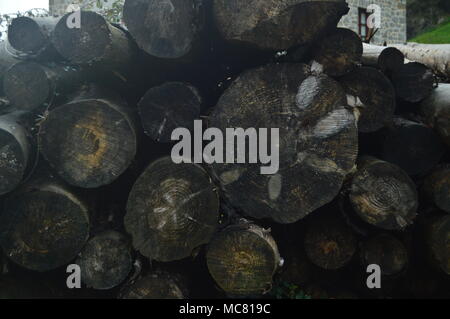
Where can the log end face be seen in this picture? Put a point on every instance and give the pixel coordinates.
(13, 162)
(25, 35)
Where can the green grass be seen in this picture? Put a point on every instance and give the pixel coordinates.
(437, 35)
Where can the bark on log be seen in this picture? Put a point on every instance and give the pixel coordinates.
(437, 187)
(167, 107)
(438, 235)
(383, 195)
(373, 95)
(172, 204)
(387, 252)
(43, 227)
(105, 261)
(339, 52)
(317, 141)
(434, 56)
(90, 142)
(242, 259)
(168, 30)
(436, 111)
(16, 152)
(329, 242)
(96, 42)
(29, 85)
(413, 82)
(31, 38)
(388, 59)
(276, 25)
(412, 146)
(156, 285)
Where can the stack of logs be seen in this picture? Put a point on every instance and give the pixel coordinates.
(86, 177)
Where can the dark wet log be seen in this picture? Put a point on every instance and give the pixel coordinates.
(242, 259)
(387, 59)
(16, 152)
(96, 42)
(329, 242)
(317, 141)
(436, 111)
(412, 146)
(165, 29)
(434, 56)
(29, 85)
(105, 261)
(373, 95)
(89, 142)
(413, 82)
(383, 195)
(43, 226)
(172, 204)
(339, 52)
(168, 107)
(30, 37)
(385, 251)
(437, 187)
(6, 61)
(156, 285)
(276, 25)
(438, 240)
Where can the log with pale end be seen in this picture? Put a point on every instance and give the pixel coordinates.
(44, 226)
(171, 210)
(383, 195)
(243, 259)
(168, 107)
(317, 146)
(105, 260)
(276, 25)
(373, 95)
(89, 142)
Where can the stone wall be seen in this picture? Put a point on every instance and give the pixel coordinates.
(393, 19)
(58, 7)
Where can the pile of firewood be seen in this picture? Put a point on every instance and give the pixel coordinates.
(86, 177)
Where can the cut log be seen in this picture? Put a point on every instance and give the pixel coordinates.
(43, 227)
(329, 242)
(388, 59)
(383, 195)
(172, 204)
(30, 37)
(165, 29)
(242, 259)
(387, 252)
(276, 25)
(29, 85)
(317, 141)
(412, 146)
(96, 42)
(439, 242)
(373, 95)
(105, 261)
(157, 285)
(434, 56)
(436, 111)
(89, 143)
(437, 187)
(339, 52)
(168, 107)
(413, 82)
(6, 61)
(16, 153)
